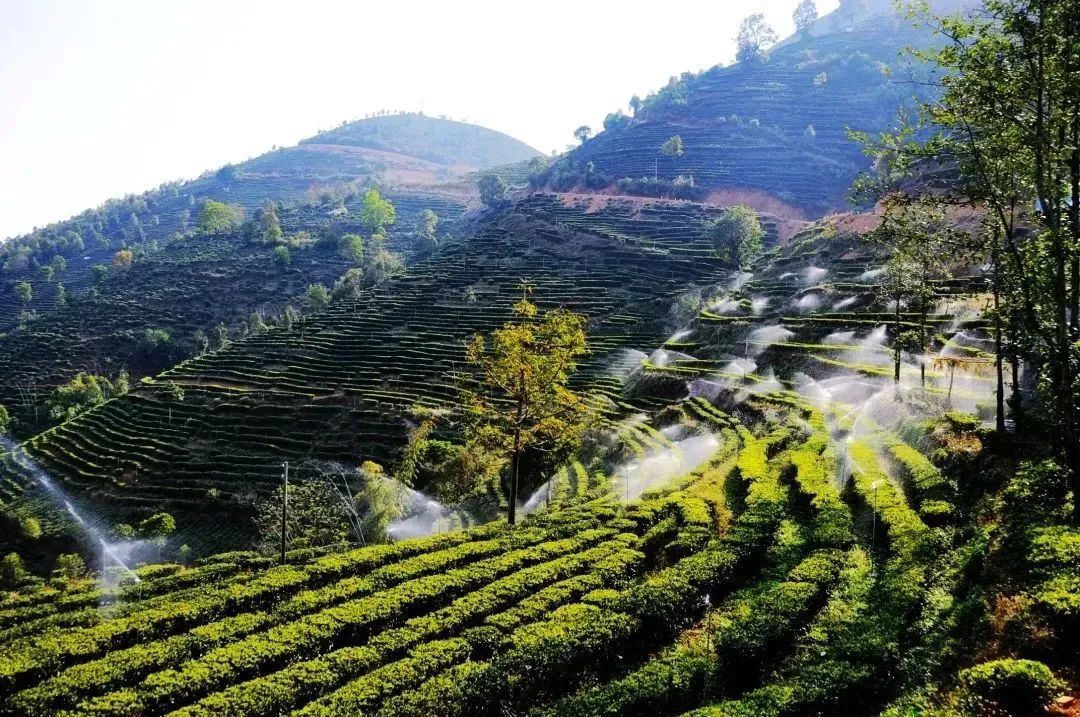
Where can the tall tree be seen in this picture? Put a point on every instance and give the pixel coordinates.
(351, 248)
(379, 262)
(754, 38)
(582, 133)
(1008, 115)
(523, 402)
(319, 512)
(267, 222)
(805, 14)
(922, 246)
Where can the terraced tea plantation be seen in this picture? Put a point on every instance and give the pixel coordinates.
(396, 150)
(779, 126)
(338, 386)
(756, 530)
(769, 564)
(189, 287)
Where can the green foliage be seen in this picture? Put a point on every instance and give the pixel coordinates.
(282, 257)
(216, 217)
(1035, 496)
(12, 572)
(805, 14)
(1019, 688)
(616, 121)
(153, 339)
(5, 420)
(525, 403)
(227, 173)
(1005, 123)
(30, 527)
(737, 235)
(318, 296)
(84, 392)
(351, 247)
(70, 566)
(409, 465)
(100, 273)
(426, 224)
(380, 263)
(581, 134)
(267, 224)
(156, 527)
(376, 213)
(672, 147)
(492, 190)
(318, 514)
(754, 38)
(381, 501)
(24, 291)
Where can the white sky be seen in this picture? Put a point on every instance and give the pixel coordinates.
(99, 98)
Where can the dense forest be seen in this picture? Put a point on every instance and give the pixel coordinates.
(763, 400)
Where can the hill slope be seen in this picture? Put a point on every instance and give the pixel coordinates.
(441, 141)
(187, 289)
(338, 386)
(754, 533)
(777, 127)
(316, 167)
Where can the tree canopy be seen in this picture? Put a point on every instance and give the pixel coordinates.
(351, 248)
(737, 235)
(524, 403)
(215, 217)
(805, 14)
(672, 147)
(492, 190)
(1006, 118)
(376, 213)
(754, 38)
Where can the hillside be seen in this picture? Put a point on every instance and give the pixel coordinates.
(444, 142)
(338, 386)
(317, 167)
(612, 444)
(186, 289)
(777, 128)
(753, 457)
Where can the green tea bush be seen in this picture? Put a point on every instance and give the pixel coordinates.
(1012, 688)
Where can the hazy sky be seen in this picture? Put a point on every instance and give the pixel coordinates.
(99, 98)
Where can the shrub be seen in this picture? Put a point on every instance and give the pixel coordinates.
(1018, 688)
(282, 257)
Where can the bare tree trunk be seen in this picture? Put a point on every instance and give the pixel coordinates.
(999, 397)
(896, 346)
(1016, 398)
(1074, 220)
(511, 513)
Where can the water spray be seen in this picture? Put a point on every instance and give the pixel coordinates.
(95, 535)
